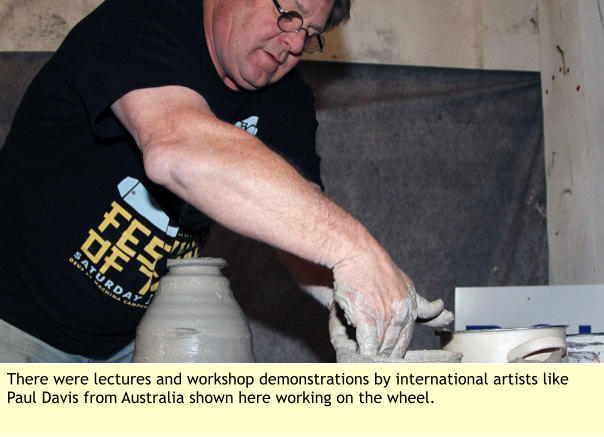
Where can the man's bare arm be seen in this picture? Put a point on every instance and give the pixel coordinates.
(234, 178)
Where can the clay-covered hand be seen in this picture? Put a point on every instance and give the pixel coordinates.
(380, 301)
(432, 314)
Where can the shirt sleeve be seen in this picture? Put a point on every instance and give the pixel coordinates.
(292, 133)
(128, 45)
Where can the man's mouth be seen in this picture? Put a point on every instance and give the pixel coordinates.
(275, 59)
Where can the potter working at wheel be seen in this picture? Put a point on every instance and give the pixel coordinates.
(154, 120)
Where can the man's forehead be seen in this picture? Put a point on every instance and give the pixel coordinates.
(304, 6)
(301, 8)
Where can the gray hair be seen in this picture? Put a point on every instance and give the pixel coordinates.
(339, 14)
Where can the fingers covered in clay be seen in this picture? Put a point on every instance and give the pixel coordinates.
(378, 300)
(357, 311)
(443, 319)
(433, 314)
(401, 318)
(428, 310)
(367, 338)
(338, 332)
(403, 341)
(391, 337)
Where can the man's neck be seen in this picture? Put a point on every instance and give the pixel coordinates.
(208, 17)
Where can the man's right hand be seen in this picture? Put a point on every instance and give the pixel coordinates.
(379, 299)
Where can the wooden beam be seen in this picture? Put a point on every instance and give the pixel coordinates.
(572, 61)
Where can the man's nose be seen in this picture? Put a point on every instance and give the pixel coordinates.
(295, 41)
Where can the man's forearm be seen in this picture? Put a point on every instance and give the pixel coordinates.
(239, 182)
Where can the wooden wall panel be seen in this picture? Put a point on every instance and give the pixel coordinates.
(572, 44)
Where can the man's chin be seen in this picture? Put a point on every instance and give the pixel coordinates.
(255, 83)
(259, 78)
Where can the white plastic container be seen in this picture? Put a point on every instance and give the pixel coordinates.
(537, 344)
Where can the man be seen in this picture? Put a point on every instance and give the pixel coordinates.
(150, 111)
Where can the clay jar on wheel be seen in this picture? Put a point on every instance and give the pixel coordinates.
(193, 318)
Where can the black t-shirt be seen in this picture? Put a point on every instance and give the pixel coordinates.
(84, 233)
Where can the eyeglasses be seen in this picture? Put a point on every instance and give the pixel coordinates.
(291, 22)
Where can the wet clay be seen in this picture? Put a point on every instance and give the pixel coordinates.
(414, 356)
(193, 318)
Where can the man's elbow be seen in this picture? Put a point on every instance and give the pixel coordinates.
(168, 152)
(157, 163)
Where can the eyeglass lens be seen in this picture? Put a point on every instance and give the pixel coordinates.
(314, 43)
(291, 21)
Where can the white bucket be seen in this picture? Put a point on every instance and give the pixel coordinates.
(536, 344)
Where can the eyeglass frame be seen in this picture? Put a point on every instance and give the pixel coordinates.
(319, 36)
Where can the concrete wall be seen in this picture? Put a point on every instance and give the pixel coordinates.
(39, 25)
(491, 34)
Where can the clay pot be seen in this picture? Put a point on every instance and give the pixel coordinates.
(193, 318)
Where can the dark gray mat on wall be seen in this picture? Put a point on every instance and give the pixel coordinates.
(444, 166)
